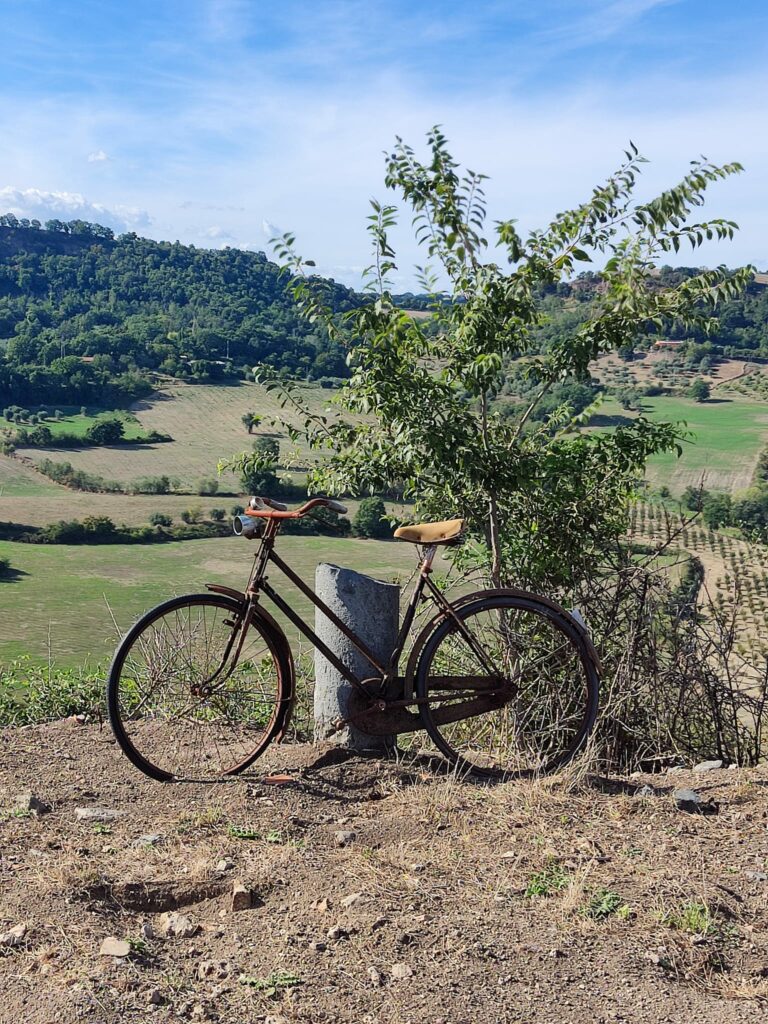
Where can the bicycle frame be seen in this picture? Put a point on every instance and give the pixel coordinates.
(386, 705)
(258, 583)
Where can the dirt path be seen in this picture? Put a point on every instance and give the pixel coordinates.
(381, 894)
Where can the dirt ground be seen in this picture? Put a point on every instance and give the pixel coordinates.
(380, 892)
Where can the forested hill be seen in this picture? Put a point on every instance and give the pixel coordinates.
(89, 318)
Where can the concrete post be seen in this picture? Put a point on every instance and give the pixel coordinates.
(371, 609)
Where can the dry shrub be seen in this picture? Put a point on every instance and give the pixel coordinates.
(674, 683)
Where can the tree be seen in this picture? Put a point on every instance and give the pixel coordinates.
(544, 501)
(267, 448)
(250, 420)
(717, 510)
(259, 475)
(218, 514)
(699, 390)
(370, 519)
(105, 431)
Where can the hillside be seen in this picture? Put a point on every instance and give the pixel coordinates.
(87, 318)
(378, 892)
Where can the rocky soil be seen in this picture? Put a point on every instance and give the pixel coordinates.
(322, 889)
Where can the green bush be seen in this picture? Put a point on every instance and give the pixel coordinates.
(161, 519)
(152, 485)
(32, 693)
(370, 519)
(108, 430)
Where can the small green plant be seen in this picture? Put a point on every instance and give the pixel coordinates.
(102, 830)
(273, 836)
(551, 879)
(602, 904)
(273, 984)
(209, 818)
(243, 832)
(16, 812)
(694, 918)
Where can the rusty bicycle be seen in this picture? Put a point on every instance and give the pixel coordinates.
(504, 682)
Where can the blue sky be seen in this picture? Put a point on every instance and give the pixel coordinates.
(219, 121)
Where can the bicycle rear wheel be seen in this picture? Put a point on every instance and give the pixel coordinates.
(182, 703)
(511, 689)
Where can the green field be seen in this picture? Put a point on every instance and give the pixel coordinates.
(61, 599)
(726, 439)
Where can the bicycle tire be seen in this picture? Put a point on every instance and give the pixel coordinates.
(168, 731)
(543, 691)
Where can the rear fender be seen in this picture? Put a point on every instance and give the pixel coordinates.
(282, 649)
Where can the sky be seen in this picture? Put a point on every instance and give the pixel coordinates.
(225, 122)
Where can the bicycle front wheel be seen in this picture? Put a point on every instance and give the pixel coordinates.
(189, 697)
(509, 687)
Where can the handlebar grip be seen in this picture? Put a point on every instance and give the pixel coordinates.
(257, 503)
(336, 506)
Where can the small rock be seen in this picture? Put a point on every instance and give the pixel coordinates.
(322, 906)
(101, 814)
(344, 837)
(707, 766)
(241, 898)
(147, 931)
(337, 932)
(155, 997)
(645, 791)
(27, 801)
(114, 947)
(417, 869)
(318, 947)
(225, 864)
(350, 900)
(690, 801)
(556, 953)
(375, 977)
(13, 937)
(176, 926)
(508, 855)
(150, 839)
(401, 971)
(213, 969)
(757, 876)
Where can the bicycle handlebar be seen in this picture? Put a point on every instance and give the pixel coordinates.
(266, 508)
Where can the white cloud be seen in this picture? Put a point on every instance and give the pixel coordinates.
(270, 230)
(218, 234)
(99, 157)
(37, 203)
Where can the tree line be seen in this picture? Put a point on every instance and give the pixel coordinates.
(87, 317)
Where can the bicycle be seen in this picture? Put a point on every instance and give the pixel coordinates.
(504, 682)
